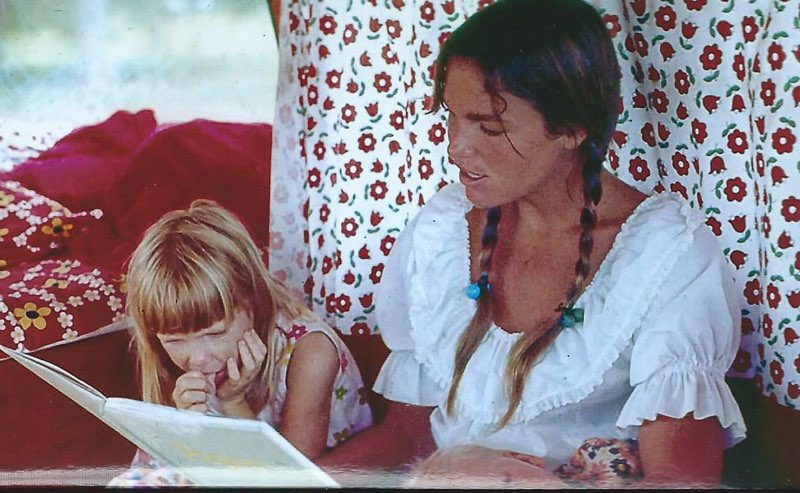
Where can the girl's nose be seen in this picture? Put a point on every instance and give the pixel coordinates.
(199, 358)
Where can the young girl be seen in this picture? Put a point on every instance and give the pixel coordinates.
(214, 332)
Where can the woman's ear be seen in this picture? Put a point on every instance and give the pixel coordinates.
(573, 139)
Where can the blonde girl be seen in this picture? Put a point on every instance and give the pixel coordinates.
(214, 332)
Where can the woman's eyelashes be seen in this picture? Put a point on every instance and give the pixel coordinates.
(489, 131)
(452, 118)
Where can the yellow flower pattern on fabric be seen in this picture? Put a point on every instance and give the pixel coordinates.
(122, 286)
(286, 355)
(57, 228)
(65, 266)
(61, 283)
(5, 199)
(3, 232)
(30, 314)
(3, 272)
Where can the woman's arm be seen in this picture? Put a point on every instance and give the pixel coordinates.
(309, 383)
(681, 452)
(403, 436)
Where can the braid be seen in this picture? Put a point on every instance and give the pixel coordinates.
(527, 350)
(488, 242)
(592, 191)
(482, 320)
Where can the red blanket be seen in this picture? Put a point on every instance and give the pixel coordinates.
(135, 171)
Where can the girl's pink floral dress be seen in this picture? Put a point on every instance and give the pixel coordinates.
(349, 410)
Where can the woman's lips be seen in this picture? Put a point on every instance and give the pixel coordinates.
(467, 177)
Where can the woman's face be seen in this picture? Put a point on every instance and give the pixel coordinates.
(492, 172)
(208, 349)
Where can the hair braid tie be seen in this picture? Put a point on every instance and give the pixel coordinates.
(488, 240)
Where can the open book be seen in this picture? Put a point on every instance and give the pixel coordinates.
(208, 450)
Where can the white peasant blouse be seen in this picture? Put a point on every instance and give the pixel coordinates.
(661, 328)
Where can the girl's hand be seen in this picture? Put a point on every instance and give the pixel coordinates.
(192, 391)
(471, 466)
(252, 353)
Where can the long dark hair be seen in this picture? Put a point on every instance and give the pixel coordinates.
(558, 56)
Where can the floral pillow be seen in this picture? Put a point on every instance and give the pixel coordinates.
(54, 300)
(32, 226)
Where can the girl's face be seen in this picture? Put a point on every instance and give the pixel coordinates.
(481, 144)
(207, 350)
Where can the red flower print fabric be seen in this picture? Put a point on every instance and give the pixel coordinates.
(355, 152)
(709, 110)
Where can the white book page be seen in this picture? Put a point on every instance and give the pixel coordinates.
(214, 450)
(208, 450)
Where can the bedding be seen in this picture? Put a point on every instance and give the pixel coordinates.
(78, 169)
(73, 213)
(45, 297)
(44, 430)
(69, 217)
(33, 226)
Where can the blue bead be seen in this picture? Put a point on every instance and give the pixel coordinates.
(473, 291)
(567, 320)
(578, 314)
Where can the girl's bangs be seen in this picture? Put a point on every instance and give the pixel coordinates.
(184, 303)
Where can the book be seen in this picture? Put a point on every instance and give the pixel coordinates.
(208, 450)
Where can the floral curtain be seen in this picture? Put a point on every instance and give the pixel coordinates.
(355, 153)
(708, 110)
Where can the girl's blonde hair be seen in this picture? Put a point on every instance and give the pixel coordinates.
(193, 268)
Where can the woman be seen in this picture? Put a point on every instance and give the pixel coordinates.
(500, 340)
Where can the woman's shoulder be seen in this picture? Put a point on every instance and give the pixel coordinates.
(434, 246)
(439, 232)
(420, 298)
(447, 207)
(662, 229)
(661, 224)
(665, 211)
(663, 252)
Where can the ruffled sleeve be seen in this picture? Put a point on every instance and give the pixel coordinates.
(687, 342)
(403, 377)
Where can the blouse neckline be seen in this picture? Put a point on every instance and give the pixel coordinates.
(607, 260)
